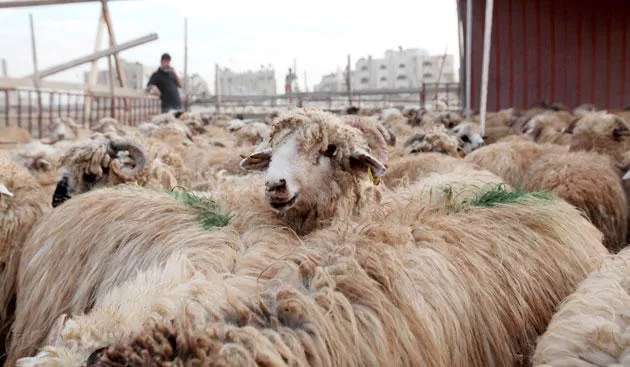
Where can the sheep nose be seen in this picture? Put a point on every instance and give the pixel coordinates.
(279, 187)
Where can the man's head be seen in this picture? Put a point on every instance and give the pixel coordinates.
(165, 61)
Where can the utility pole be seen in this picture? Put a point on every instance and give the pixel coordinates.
(217, 88)
(186, 87)
(4, 68)
(348, 80)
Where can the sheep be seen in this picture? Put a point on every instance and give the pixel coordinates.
(590, 327)
(157, 222)
(41, 160)
(22, 203)
(434, 141)
(588, 181)
(57, 131)
(584, 109)
(511, 159)
(108, 125)
(469, 136)
(601, 132)
(103, 161)
(313, 150)
(390, 291)
(548, 127)
(14, 135)
(252, 133)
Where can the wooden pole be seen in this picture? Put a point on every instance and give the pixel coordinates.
(348, 82)
(92, 79)
(5, 73)
(36, 80)
(25, 3)
(486, 65)
(111, 86)
(439, 78)
(97, 55)
(186, 81)
(305, 84)
(112, 42)
(217, 88)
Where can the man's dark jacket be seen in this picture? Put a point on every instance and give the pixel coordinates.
(165, 81)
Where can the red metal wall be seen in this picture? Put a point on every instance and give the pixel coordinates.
(565, 51)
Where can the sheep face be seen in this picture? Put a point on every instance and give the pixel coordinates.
(313, 162)
(96, 164)
(469, 137)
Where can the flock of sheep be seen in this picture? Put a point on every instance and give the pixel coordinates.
(371, 237)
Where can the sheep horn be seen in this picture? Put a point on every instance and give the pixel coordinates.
(136, 152)
(5, 191)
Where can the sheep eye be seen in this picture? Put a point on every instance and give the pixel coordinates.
(330, 150)
(620, 131)
(465, 139)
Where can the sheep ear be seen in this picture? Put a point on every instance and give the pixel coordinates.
(361, 160)
(257, 161)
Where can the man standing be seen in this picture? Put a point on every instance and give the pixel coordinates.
(165, 83)
(288, 84)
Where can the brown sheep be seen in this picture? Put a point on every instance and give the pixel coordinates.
(22, 203)
(511, 159)
(100, 162)
(588, 181)
(601, 132)
(591, 325)
(378, 293)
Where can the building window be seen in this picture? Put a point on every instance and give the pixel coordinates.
(401, 77)
(364, 68)
(427, 75)
(402, 66)
(364, 80)
(383, 67)
(427, 63)
(383, 79)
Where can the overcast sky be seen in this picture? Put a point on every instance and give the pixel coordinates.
(238, 34)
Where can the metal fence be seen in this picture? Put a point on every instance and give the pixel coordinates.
(21, 108)
(428, 96)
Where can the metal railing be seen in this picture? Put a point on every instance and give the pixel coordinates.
(426, 96)
(21, 108)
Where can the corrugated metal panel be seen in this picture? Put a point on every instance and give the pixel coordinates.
(566, 51)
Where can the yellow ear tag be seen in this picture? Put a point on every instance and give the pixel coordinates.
(375, 180)
(461, 154)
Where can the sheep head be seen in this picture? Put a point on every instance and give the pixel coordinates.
(315, 164)
(99, 163)
(469, 136)
(600, 132)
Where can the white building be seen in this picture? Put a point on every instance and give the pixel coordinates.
(335, 82)
(431, 69)
(253, 83)
(402, 69)
(135, 75)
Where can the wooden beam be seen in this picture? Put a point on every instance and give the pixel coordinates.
(112, 42)
(25, 3)
(97, 55)
(45, 85)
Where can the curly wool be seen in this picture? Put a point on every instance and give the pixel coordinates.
(591, 325)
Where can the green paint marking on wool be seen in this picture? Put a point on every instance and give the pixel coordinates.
(209, 214)
(499, 195)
